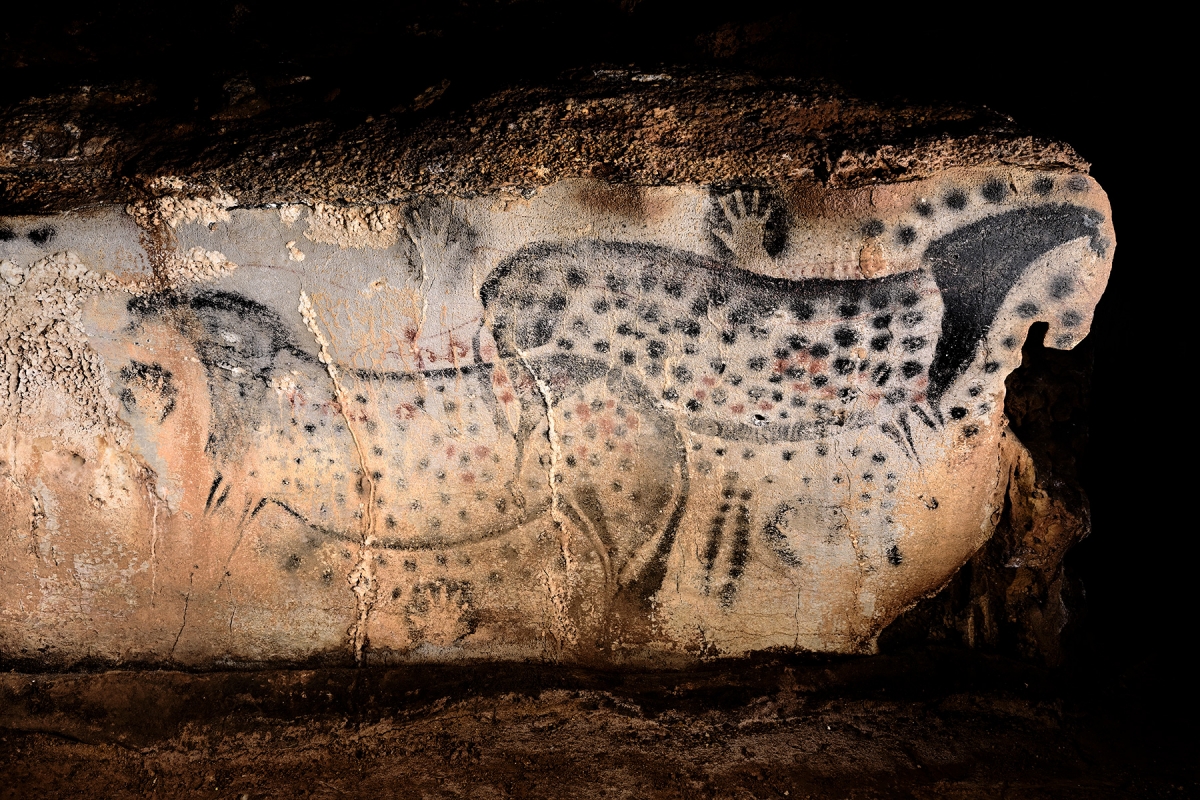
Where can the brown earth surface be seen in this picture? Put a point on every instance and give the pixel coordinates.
(937, 723)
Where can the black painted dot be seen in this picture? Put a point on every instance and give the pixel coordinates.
(882, 321)
(845, 337)
(819, 350)
(693, 405)
(894, 557)
(881, 342)
(682, 373)
(600, 306)
(955, 199)
(911, 318)
(924, 208)
(673, 288)
(802, 310)
(843, 366)
(911, 369)
(7, 234)
(788, 455)
(797, 342)
(881, 373)
(728, 337)
(1027, 309)
(879, 458)
(576, 278)
(543, 329)
(991, 366)
(1061, 286)
(907, 235)
(656, 349)
(1043, 186)
(798, 401)
(40, 236)
(909, 299)
(822, 450)
(958, 412)
(820, 380)
(1063, 340)
(873, 227)
(690, 327)
(310, 428)
(615, 283)
(1009, 342)
(565, 344)
(1071, 318)
(741, 315)
(556, 302)
(627, 357)
(601, 347)
(995, 190)
(970, 430)
(1077, 183)
(670, 394)
(914, 343)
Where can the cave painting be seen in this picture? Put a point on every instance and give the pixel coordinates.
(701, 422)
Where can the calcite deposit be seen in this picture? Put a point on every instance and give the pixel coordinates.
(640, 418)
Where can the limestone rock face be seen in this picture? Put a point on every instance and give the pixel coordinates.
(578, 420)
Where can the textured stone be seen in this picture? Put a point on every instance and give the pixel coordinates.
(729, 406)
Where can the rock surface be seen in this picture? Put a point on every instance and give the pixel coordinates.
(934, 725)
(582, 374)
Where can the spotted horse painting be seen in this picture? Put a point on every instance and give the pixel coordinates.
(594, 422)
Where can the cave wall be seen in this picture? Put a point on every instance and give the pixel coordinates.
(581, 414)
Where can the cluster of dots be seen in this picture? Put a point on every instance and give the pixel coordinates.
(737, 348)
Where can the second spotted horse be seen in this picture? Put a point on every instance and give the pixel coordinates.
(683, 393)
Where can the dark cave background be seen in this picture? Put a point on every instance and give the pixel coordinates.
(1076, 76)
